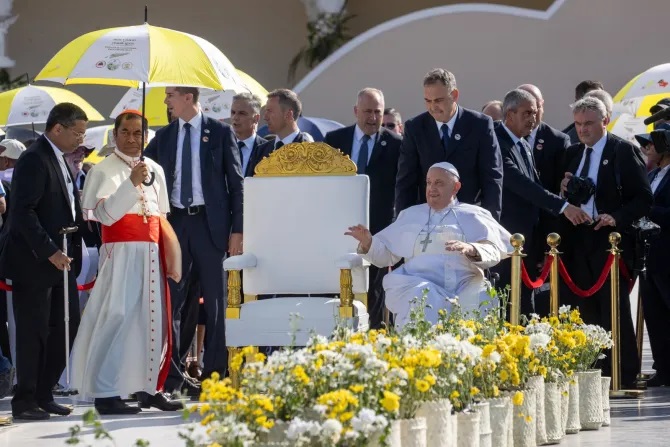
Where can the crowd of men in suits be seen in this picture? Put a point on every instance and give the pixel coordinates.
(511, 163)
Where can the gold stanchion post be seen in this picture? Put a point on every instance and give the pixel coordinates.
(517, 241)
(553, 239)
(617, 392)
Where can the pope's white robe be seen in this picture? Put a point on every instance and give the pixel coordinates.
(446, 274)
(123, 330)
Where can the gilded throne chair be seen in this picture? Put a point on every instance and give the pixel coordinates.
(297, 207)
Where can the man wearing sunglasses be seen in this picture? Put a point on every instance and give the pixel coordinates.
(392, 120)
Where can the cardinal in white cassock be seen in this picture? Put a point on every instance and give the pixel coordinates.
(124, 342)
(446, 246)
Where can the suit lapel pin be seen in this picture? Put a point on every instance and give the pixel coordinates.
(383, 143)
(540, 140)
(205, 139)
(206, 131)
(539, 147)
(605, 162)
(457, 137)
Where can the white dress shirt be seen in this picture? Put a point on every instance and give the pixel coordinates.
(450, 124)
(659, 177)
(66, 175)
(196, 130)
(246, 150)
(288, 139)
(596, 156)
(356, 148)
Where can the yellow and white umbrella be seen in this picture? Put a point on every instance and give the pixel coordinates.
(653, 81)
(101, 136)
(214, 103)
(31, 105)
(130, 56)
(633, 101)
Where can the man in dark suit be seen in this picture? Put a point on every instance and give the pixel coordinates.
(282, 110)
(448, 132)
(582, 89)
(622, 196)
(245, 113)
(523, 193)
(204, 180)
(375, 151)
(549, 148)
(655, 285)
(44, 201)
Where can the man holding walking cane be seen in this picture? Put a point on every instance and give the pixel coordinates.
(44, 202)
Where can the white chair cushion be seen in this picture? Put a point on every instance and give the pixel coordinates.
(295, 226)
(270, 322)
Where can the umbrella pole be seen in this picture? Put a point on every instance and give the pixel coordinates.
(34, 133)
(152, 175)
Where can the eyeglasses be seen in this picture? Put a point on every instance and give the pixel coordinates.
(388, 125)
(79, 135)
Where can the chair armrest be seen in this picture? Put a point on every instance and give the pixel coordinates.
(351, 260)
(240, 262)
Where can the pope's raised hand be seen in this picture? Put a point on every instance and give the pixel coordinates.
(362, 235)
(139, 173)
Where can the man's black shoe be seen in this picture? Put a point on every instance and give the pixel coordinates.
(158, 400)
(54, 408)
(114, 405)
(34, 414)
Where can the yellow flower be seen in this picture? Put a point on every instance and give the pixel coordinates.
(474, 391)
(496, 391)
(454, 395)
(504, 375)
(357, 388)
(390, 402)
(214, 444)
(344, 417)
(529, 419)
(518, 398)
(422, 385)
(300, 374)
(430, 379)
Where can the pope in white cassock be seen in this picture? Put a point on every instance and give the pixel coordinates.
(123, 344)
(446, 246)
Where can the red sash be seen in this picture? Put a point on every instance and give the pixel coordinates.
(132, 228)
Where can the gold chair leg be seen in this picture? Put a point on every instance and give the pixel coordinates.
(234, 374)
(346, 294)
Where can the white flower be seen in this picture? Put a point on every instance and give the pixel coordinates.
(539, 340)
(495, 357)
(299, 430)
(565, 309)
(331, 429)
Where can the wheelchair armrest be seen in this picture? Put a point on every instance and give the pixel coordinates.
(240, 262)
(352, 260)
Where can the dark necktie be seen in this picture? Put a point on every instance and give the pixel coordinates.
(523, 148)
(186, 171)
(445, 136)
(279, 144)
(362, 161)
(240, 145)
(587, 163)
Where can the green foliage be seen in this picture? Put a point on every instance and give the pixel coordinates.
(7, 83)
(324, 35)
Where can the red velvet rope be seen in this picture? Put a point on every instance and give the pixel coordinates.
(540, 279)
(88, 286)
(597, 286)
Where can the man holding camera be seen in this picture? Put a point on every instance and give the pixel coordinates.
(655, 283)
(606, 176)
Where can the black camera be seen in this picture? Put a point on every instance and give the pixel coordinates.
(579, 190)
(646, 230)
